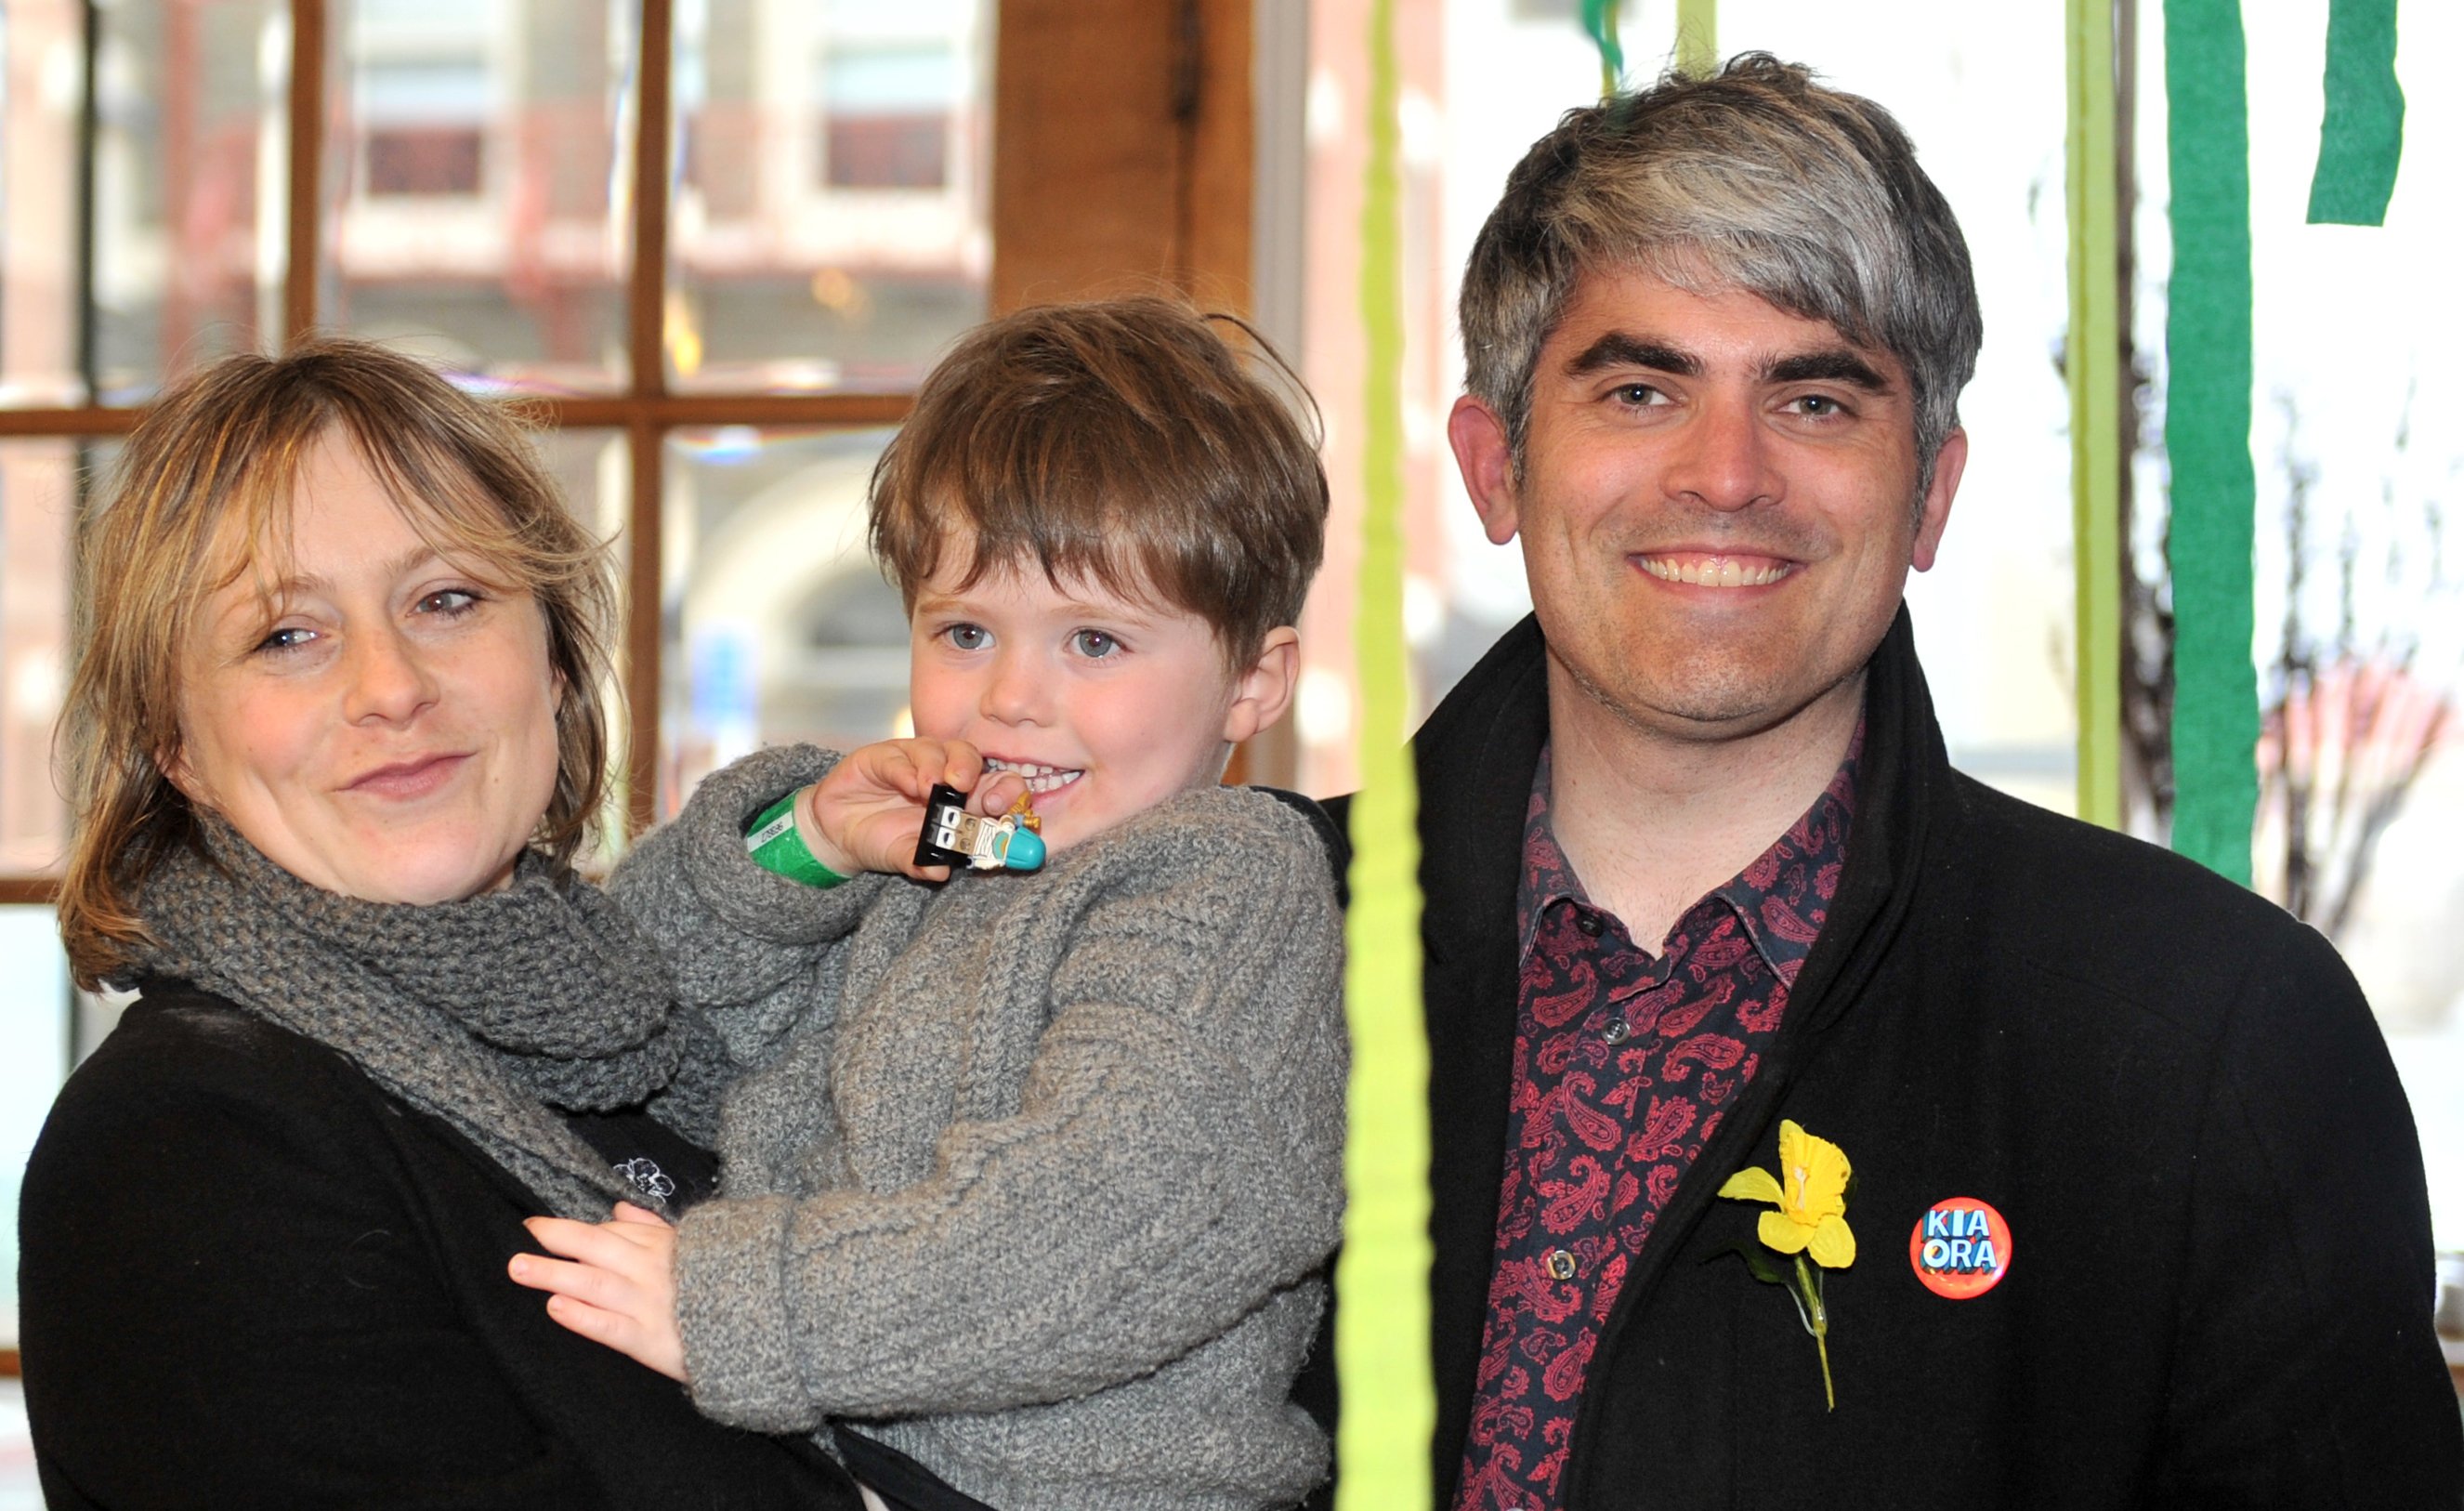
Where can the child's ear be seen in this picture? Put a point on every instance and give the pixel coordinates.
(1263, 690)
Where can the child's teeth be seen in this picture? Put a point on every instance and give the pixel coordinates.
(1039, 778)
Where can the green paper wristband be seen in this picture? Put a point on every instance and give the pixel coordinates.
(775, 846)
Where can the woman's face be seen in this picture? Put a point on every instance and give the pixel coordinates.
(385, 726)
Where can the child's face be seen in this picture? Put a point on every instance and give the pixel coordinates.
(1106, 705)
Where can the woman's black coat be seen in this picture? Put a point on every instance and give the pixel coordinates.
(252, 1277)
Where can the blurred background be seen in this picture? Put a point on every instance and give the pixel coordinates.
(714, 245)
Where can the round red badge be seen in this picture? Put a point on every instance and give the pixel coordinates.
(1961, 1247)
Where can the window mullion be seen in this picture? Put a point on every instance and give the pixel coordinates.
(307, 149)
(654, 136)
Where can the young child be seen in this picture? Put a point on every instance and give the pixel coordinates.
(1024, 1174)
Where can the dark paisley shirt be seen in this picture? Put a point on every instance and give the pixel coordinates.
(1623, 1065)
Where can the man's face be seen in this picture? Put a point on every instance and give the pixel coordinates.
(1719, 503)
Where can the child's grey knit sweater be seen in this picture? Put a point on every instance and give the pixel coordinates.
(1024, 1173)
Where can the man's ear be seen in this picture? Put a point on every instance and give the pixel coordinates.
(1478, 437)
(1934, 514)
(1263, 690)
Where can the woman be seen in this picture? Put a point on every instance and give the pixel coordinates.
(334, 739)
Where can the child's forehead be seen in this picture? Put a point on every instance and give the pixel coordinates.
(1030, 588)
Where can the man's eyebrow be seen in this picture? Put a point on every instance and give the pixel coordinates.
(1834, 365)
(1619, 349)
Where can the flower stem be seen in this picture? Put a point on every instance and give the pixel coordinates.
(1817, 1322)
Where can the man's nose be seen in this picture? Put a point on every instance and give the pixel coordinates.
(387, 677)
(1723, 457)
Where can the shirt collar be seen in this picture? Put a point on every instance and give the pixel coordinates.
(1778, 898)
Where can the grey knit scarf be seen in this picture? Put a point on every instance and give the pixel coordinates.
(479, 1011)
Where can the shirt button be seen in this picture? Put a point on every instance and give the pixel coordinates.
(1617, 1031)
(1560, 1264)
(1589, 923)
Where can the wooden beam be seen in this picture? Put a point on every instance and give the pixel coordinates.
(307, 147)
(723, 409)
(646, 341)
(1122, 133)
(83, 421)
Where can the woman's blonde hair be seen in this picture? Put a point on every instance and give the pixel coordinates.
(201, 495)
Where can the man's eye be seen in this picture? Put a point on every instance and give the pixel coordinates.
(967, 636)
(1637, 393)
(1092, 644)
(1815, 405)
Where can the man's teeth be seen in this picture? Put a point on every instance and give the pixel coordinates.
(1717, 572)
(1039, 778)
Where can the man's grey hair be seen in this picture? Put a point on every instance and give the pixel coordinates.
(1755, 178)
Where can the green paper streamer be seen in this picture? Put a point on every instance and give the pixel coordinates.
(2206, 436)
(2093, 362)
(1381, 1340)
(1698, 37)
(1600, 20)
(2362, 139)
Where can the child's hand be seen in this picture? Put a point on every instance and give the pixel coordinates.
(867, 813)
(620, 1286)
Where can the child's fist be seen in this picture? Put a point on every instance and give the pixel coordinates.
(866, 813)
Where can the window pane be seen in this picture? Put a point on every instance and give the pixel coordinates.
(593, 471)
(477, 184)
(778, 628)
(830, 227)
(183, 148)
(1993, 621)
(33, 1056)
(38, 500)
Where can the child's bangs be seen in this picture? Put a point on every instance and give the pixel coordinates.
(1067, 511)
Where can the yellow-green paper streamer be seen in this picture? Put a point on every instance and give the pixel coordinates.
(1698, 37)
(1381, 1342)
(2093, 357)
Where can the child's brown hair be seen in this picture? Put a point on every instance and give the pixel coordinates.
(1121, 441)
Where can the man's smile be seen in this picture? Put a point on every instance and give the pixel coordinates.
(1708, 570)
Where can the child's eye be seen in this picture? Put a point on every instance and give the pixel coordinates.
(967, 636)
(1092, 644)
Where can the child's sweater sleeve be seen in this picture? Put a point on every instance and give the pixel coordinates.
(1174, 1159)
(749, 949)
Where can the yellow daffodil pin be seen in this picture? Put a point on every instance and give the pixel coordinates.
(1810, 1221)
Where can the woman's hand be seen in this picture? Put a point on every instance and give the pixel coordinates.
(867, 813)
(615, 1285)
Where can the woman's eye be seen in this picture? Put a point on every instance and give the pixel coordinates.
(289, 637)
(1092, 644)
(967, 636)
(450, 602)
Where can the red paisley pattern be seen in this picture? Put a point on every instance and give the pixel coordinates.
(1623, 1065)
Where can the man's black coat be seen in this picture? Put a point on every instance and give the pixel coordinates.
(2221, 1280)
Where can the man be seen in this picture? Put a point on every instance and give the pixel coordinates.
(2137, 1215)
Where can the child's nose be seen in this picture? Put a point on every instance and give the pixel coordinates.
(1014, 692)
